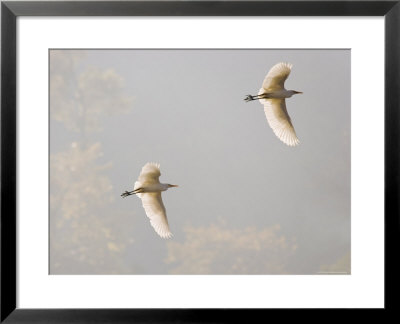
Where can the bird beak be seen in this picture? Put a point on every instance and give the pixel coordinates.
(173, 185)
(299, 92)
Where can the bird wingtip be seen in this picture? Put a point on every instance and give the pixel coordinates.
(166, 235)
(284, 65)
(156, 164)
(288, 64)
(293, 143)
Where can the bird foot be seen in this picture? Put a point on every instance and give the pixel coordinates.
(126, 194)
(249, 98)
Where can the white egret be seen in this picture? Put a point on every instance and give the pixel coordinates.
(272, 95)
(148, 188)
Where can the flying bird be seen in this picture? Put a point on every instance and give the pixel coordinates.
(272, 95)
(148, 188)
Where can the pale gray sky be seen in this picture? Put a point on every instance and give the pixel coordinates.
(246, 202)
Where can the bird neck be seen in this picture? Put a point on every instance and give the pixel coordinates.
(164, 186)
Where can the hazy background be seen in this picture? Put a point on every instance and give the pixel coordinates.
(246, 202)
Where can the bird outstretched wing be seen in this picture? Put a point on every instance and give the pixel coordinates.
(279, 120)
(277, 76)
(155, 211)
(150, 174)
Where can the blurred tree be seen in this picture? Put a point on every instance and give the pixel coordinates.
(80, 100)
(342, 265)
(216, 249)
(84, 236)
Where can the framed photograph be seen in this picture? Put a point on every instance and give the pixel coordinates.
(187, 161)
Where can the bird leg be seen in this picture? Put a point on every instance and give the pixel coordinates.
(128, 193)
(250, 98)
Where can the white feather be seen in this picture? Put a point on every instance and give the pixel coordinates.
(274, 92)
(279, 120)
(155, 211)
(277, 76)
(150, 195)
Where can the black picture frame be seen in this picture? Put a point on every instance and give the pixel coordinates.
(11, 10)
